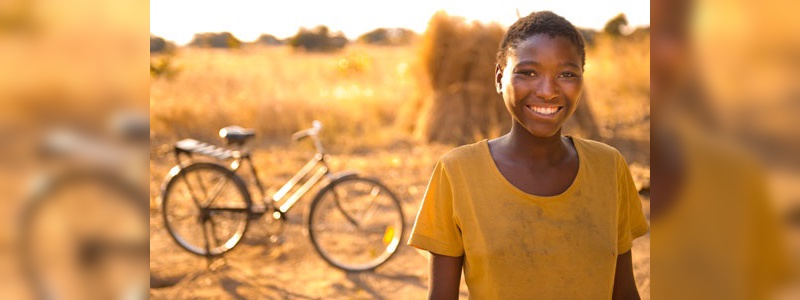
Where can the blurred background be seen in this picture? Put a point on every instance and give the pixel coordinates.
(395, 85)
(73, 149)
(725, 149)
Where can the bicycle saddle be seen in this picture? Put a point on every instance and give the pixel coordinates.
(236, 135)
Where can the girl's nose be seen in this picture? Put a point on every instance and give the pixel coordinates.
(546, 90)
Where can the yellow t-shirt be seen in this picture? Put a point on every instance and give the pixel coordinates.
(521, 246)
(720, 237)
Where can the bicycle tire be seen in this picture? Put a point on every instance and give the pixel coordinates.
(64, 231)
(237, 204)
(377, 244)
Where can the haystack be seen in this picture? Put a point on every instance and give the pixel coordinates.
(458, 103)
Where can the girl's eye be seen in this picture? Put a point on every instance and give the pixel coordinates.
(568, 75)
(527, 73)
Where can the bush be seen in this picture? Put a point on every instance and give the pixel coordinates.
(215, 40)
(388, 37)
(318, 39)
(160, 45)
(268, 40)
(615, 25)
(162, 67)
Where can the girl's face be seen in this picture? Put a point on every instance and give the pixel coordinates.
(541, 83)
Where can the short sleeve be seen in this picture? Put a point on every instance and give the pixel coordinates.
(435, 229)
(773, 265)
(630, 217)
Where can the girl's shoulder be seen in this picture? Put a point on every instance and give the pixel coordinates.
(595, 149)
(469, 153)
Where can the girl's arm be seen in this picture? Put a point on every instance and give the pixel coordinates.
(624, 284)
(445, 277)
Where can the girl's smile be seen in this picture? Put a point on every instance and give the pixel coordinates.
(546, 112)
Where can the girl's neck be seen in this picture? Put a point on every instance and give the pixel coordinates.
(522, 145)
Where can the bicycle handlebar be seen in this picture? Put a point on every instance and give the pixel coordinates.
(312, 132)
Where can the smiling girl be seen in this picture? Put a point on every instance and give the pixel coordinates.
(533, 214)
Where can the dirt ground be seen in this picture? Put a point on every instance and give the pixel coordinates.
(290, 268)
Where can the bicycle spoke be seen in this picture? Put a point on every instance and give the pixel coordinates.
(180, 218)
(205, 237)
(218, 187)
(200, 183)
(367, 214)
(191, 194)
(228, 209)
(213, 224)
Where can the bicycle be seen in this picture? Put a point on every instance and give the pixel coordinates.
(355, 223)
(84, 227)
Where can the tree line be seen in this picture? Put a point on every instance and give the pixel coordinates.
(322, 39)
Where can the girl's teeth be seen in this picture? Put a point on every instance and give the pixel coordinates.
(544, 110)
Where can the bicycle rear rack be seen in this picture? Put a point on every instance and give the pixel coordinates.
(192, 146)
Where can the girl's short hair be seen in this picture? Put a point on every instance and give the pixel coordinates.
(542, 22)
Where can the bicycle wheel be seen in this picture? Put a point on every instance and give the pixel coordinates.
(206, 208)
(86, 236)
(355, 223)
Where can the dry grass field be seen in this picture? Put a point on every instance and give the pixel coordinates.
(358, 95)
(277, 91)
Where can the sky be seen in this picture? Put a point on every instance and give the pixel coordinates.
(179, 20)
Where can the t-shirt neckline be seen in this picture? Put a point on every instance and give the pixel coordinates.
(487, 154)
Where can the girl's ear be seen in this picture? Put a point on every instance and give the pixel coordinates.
(498, 78)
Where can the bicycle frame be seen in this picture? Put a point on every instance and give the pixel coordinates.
(317, 167)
